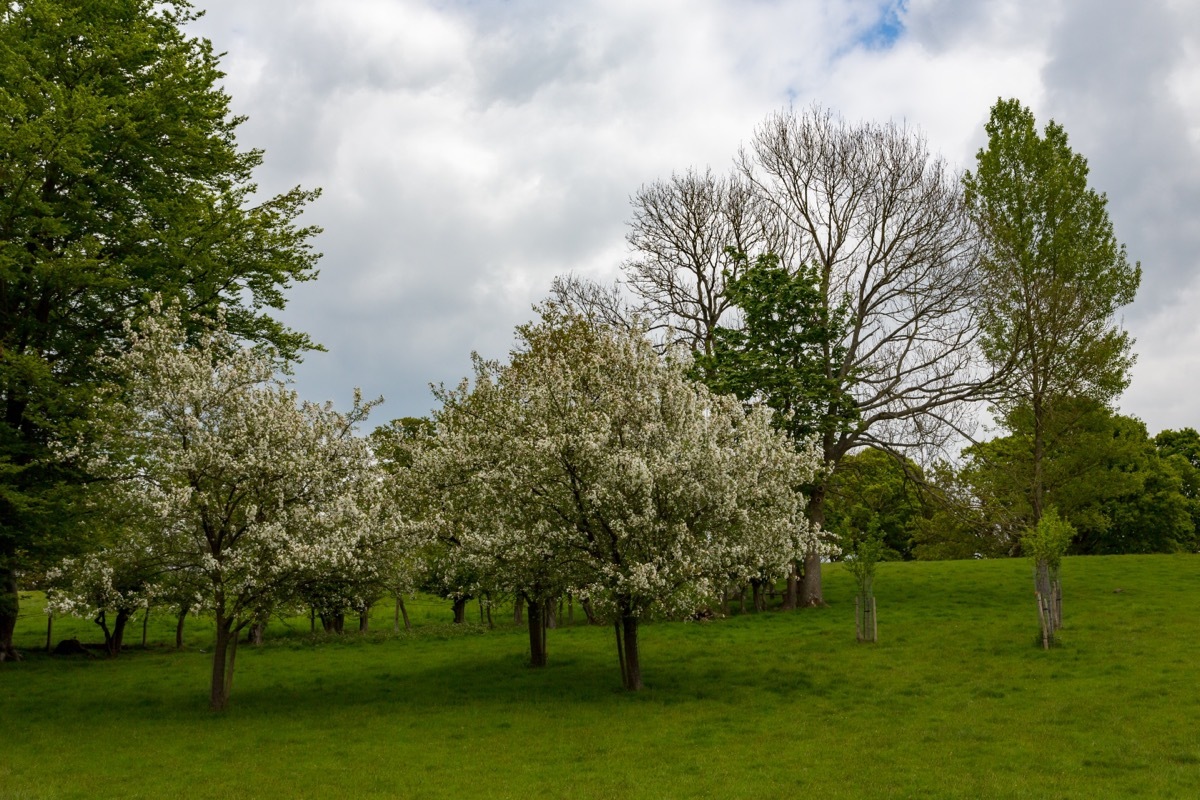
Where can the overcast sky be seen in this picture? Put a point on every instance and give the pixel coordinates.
(470, 151)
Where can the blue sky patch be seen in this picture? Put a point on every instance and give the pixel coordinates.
(889, 27)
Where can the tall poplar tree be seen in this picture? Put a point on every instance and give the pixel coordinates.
(120, 178)
(1054, 276)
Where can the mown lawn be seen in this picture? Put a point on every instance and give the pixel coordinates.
(954, 701)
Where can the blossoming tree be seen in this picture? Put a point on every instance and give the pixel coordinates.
(250, 487)
(602, 468)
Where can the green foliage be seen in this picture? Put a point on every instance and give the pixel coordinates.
(873, 491)
(861, 560)
(1048, 542)
(786, 352)
(120, 178)
(1104, 473)
(1053, 276)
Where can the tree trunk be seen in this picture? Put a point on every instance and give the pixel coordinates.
(633, 668)
(537, 635)
(255, 637)
(518, 610)
(811, 593)
(404, 613)
(10, 605)
(792, 598)
(551, 614)
(364, 620)
(145, 625)
(1039, 453)
(589, 612)
(183, 612)
(113, 639)
(222, 673)
(460, 610)
(49, 631)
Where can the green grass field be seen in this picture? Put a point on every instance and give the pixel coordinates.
(956, 700)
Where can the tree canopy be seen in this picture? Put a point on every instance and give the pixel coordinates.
(120, 179)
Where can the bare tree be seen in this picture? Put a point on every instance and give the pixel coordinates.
(604, 304)
(683, 231)
(884, 225)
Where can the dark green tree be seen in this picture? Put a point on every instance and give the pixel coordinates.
(781, 356)
(120, 178)
(1100, 470)
(1053, 275)
(873, 493)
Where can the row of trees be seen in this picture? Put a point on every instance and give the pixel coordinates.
(842, 273)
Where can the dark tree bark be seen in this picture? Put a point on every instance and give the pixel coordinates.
(145, 625)
(364, 620)
(403, 612)
(537, 635)
(632, 671)
(224, 651)
(114, 638)
(334, 623)
(183, 612)
(589, 612)
(10, 605)
(49, 631)
(811, 592)
(519, 610)
(550, 615)
(460, 610)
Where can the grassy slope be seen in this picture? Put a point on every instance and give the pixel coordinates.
(955, 701)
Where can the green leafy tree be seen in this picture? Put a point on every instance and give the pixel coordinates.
(779, 356)
(1053, 275)
(1100, 470)
(873, 491)
(120, 178)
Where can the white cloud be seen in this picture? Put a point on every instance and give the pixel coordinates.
(470, 151)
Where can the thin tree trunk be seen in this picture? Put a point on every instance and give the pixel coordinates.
(404, 613)
(620, 650)
(633, 667)
(792, 598)
(49, 631)
(488, 607)
(537, 636)
(518, 610)
(10, 606)
(145, 625)
(183, 612)
(312, 619)
(589, 612)
(460, 610)
(222, 663)
(233, 645)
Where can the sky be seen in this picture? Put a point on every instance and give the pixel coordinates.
(471, 150)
